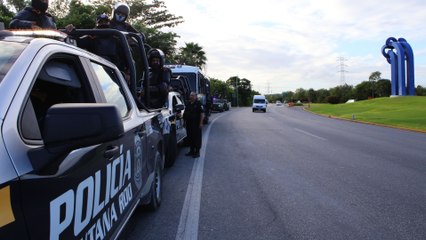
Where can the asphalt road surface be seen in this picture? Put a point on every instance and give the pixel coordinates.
(290, 174)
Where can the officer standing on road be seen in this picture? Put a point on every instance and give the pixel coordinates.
(194, 116)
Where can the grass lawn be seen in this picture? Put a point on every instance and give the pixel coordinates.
(406, 112)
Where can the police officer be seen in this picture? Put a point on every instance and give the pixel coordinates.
(120, 15)
(108, 46)
(34, 17)
(194, 116)
(159, 78)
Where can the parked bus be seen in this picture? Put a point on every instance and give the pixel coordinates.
(198, 83)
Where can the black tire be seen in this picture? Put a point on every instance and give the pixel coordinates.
(171, 148)
(156, 193)
(206, 120)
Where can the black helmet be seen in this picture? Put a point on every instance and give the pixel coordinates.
(123, 9)
(103, 16)
(156, 53)
(40, 5)
(102, 20)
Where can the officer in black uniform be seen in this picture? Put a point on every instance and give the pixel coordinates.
(159, 78)
(34, 17)
(120, 15)
(108, 47)
(194, 116)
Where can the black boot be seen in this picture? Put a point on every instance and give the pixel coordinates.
(196, 154)
(190, 153)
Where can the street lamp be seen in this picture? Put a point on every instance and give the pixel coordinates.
(236, 87)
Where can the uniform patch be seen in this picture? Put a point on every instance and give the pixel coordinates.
(6, 213)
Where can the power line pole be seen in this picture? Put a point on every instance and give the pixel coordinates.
(268, 88)
(236, 88)
(342, 70)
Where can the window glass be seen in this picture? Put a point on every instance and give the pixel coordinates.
(174, 101)
(179, 100)
(61, 80)
(111, 88)
(202, 83)
(192, 78)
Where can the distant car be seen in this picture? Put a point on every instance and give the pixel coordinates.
(278, 103)
(225, 105)
(259, 103)
(219, 105)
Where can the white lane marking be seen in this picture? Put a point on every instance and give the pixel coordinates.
(190, 215)
(310, 134)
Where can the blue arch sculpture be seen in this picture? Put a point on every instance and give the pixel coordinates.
(400, 55)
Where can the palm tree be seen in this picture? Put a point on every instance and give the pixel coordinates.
(192, 54)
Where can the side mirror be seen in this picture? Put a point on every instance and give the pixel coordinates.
(74, 125)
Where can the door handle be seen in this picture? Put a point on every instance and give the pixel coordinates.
(111, 152)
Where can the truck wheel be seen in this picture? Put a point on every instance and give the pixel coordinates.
(171, 147)
(156, 187)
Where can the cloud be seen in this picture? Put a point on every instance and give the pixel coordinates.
(284, 45)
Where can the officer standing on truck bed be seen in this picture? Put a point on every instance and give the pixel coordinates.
(159, 78)
(120, 15)
(34, 17)
(194, 116)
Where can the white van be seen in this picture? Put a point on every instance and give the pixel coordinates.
(259, 103)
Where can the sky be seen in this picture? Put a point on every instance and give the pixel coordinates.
(283, 45)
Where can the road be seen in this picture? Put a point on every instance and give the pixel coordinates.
(290, 174)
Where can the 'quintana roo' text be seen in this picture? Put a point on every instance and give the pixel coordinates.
(88, 204)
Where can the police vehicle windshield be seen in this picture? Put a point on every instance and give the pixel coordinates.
(192, 80)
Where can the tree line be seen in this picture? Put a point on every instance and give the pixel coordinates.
(236, 90)
(373, 88)
(147, 17)
(239, 91)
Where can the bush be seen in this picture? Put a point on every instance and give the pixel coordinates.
(333, 99)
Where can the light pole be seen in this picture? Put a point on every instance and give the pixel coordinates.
(236, 87)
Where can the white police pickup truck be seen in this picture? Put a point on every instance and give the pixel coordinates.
(174, 129)
(77, 154)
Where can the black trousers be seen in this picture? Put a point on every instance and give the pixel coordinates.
(193, 132)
